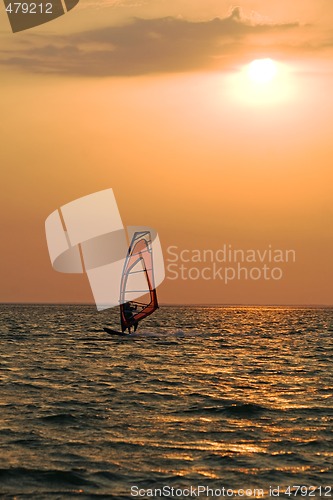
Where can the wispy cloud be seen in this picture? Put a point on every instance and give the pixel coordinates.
(145, 46)
(88, 4)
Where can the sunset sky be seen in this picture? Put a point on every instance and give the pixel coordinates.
(154, 99)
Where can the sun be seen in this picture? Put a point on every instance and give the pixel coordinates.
(262, 71)
(262, 82)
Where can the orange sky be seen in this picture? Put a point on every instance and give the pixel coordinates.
(161, 110)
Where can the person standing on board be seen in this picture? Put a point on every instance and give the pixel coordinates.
(128, 313)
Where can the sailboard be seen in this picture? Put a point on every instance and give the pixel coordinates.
(137, 281)
(115, 332)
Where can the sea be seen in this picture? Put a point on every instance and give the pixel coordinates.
(203, 402)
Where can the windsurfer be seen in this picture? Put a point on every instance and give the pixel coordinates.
(129, 307)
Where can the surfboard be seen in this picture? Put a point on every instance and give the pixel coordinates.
(114, 332)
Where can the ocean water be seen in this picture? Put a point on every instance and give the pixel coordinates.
(234, 398)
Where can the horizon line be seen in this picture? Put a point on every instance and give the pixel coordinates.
(195, 304)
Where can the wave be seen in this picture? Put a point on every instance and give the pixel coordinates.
(245, 410)
(60, 418)
(59, 477)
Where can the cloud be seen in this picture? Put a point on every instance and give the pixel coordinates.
(145, 46)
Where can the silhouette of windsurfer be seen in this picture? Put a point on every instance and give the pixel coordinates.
(129, 309)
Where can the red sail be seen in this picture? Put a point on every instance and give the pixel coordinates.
(139, 262)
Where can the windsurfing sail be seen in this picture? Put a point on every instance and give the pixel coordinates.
(138, 281)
